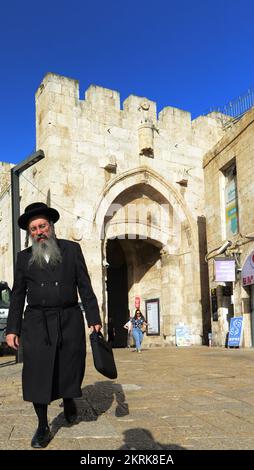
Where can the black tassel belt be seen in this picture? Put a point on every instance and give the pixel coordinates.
(59, 311)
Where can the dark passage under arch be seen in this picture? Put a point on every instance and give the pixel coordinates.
(117, 293)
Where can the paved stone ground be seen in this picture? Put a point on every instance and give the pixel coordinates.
(164, 398)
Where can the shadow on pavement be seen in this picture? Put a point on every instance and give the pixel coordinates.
(142, 439)
(96, 400)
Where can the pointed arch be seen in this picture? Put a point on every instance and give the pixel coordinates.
(147, 177)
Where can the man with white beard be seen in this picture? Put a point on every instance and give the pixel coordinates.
(48, 274)
(44, 245)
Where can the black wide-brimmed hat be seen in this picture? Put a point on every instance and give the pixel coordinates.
(37, 208)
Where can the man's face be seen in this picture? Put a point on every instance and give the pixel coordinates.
(39, 229)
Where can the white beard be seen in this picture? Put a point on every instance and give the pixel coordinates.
(48, 248)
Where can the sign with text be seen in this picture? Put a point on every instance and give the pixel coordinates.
(224, 269)
(248, 271)
(153, 317)
(183, 336)
(235, 332)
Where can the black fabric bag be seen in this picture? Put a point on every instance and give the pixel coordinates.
(103, 355)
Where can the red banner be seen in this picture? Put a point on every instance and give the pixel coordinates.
(137, 301)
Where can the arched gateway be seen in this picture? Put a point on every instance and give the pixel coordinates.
(149, 249)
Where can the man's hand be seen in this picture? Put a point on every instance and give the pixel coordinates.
(95, 327)
(12, 341)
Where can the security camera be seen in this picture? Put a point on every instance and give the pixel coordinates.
(223, 248)
(105, 264)
(239, 269)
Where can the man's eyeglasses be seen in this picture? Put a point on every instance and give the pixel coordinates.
(40, 227)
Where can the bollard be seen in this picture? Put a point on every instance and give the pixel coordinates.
(210, 340)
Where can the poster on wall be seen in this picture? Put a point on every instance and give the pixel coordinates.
(153, 317)
(231, 208)
(235, 332)
(137, 301)
(183, 336)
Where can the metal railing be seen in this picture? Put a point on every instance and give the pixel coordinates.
(237, 107)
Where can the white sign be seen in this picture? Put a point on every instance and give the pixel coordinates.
(183, 336)
(153, 317)
(224, 270)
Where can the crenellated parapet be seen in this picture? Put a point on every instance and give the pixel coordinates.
(102, 98)
(175, 121)
(58, 96)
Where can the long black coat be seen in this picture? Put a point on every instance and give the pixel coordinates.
(52, 330)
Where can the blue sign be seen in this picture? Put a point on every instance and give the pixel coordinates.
(235, 332)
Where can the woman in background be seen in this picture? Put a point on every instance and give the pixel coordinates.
(138, 324)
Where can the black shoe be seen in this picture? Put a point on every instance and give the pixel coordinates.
(41, 438)
(70, 411)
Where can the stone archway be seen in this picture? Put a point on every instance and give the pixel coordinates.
(145, 214)
(153, 182)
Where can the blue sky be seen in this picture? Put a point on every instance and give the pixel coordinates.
(190, 54)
